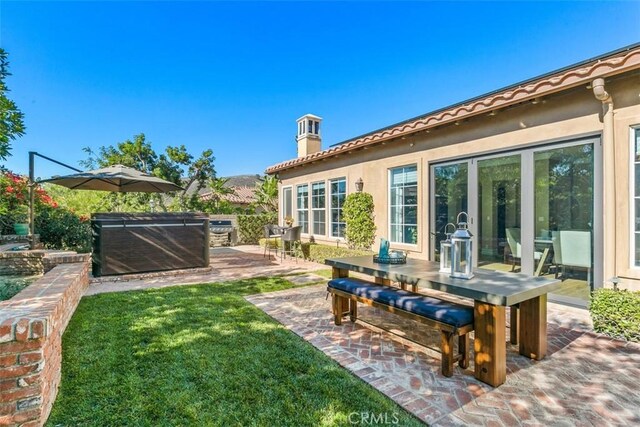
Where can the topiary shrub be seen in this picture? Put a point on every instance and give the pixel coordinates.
(616, 313)
(358, 215)
(251, 227)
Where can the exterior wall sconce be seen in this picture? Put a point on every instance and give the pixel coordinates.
(359, 185)
(462, 250)
(445, 251)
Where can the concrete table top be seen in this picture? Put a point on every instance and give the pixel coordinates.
(493, 287)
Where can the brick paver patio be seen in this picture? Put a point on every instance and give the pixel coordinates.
(227, 263)
(586, 379)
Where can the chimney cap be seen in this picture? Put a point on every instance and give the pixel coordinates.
(309, 116)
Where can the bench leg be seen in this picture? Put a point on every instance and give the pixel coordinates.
(353, 310)
(339, 304)
(446, 346)
(463, 349)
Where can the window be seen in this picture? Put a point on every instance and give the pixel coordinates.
(286, 203)
(403, 204)
(309, 126)
(338, 195)
(318, 205)
(317, 125)
(303, 207)
(636, 195)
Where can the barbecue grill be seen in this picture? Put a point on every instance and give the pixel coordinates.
(222, 227)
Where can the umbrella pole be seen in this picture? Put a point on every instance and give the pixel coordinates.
(32, 198)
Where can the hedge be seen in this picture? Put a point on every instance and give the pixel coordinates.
(318, 253)
(616, 313)
(251, 227)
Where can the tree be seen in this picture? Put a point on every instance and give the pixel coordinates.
(170, 165)
(267, 193)
(11, 118)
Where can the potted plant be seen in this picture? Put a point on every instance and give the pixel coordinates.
(288, 220)
(21, 220)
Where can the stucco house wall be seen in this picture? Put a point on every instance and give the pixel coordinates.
(560, 116)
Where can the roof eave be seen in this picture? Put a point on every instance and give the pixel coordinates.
(625, 60)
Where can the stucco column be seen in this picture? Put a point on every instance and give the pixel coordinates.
(608, 175)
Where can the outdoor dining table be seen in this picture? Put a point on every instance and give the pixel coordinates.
(491, 291)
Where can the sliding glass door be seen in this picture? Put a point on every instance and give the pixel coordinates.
(450, 198)
(564, 217)
(499, 213)
(532, 211)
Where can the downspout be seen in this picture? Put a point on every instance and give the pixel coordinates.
(609, 198)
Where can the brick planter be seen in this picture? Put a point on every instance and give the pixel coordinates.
(39, 261)
(31, 328)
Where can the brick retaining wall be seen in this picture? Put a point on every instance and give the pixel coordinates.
(39, 261)
(31, 328)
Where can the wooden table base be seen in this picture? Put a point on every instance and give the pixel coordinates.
(490, 345)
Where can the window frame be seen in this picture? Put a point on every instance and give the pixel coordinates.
(634, 134)
(313, 210)
(298, 209)
(417, 205)
(331, 208)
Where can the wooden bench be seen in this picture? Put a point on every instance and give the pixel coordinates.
(451, 319)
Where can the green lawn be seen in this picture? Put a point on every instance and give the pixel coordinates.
(201, 355)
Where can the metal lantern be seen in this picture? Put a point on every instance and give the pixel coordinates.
(445, 251)
(462, 250)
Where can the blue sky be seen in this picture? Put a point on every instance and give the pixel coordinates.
(234, 76)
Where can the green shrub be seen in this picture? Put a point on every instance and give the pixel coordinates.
(60, 228)
(274, 243)
(250, 227)
(318, 253)
(616, 313)
(358, 216)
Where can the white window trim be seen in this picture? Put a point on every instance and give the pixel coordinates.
(418, 174)
(346, 193)
(312, 209)
(302, 233)
(632, 198)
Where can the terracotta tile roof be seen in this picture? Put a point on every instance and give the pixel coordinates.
(583, 73)
(242, 195)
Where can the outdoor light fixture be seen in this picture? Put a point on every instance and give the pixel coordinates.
(462, 250)
(615, 280)
(445, 250)
(359, 185)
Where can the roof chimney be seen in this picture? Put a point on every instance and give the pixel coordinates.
(308, 137)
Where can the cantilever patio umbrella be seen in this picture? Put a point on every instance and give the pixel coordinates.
(117, 178)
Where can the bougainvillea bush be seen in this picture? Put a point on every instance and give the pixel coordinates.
(14, 203)
(59, 228)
